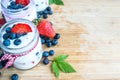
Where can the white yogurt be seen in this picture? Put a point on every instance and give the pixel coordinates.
(29, 52)
(41, 4)
(28, 12)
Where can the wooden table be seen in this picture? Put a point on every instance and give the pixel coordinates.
(90, 35)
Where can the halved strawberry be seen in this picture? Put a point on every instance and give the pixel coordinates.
(24, 2)
(45, 28)
(21, 28)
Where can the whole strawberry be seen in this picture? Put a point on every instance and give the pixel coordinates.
(45, 28)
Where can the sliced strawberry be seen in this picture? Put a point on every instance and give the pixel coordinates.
(21, 28)
(24, 2)
(2, 21)
(45, 28)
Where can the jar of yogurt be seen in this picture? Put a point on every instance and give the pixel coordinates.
(41, 4)
(28, 53)
(27, 12)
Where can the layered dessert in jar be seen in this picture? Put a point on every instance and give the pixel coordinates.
(12, 9)
(21, 43)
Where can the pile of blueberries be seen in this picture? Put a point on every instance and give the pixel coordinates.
(13, 5)
(50, 42)
(46, 54)
(44, 14)
(11, 36)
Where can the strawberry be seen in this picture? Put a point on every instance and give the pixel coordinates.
(45, 28)
(2, 21)
(24, 2)
(21, 28)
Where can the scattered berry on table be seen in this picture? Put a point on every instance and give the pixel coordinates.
(45, 16)
(4, 62)
(51, 52)
(45, 61)
(45, 54)
(47, 40)
(14, 77)
(45, 12)
(57, 36)
(42, 41)
(48, 8)
(50, 12)
(54, 42)
(6, 42)
(48, 44)
(17, 42)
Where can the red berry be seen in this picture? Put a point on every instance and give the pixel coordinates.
(2, 21)
(24, 2)
(21, 28)
(46, 29)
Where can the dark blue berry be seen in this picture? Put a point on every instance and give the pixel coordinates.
(42, 41)
(45, 61)
(6, 42)
(8, 29)
(14, 77)
(12, 35)
(18, 35)
(45, 12)
(17, 42)
(45, 54)
(1, 66)
(24, 34)
(48, 8)
(51, 52)
(57, 36)
(4, 62)
(13, 3)
(42, 36)
(1, 55)
(45, 16)
(40, 12)
(54, 42)
(6, 36)
(9, 7)
(20, 6)
(38, 15)
(47, 40)
(48, 44)
(50, 12)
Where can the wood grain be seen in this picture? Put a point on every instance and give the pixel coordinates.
(90, 35)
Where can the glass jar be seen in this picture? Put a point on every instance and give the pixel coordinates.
(29, 52)
(28, 12)
(41, 4)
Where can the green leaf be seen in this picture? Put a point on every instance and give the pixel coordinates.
(60, 58)
(65, 67)
(58, 2)
(55, 69)
(51, 2)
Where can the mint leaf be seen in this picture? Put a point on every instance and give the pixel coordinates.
(57, 2)
(51, 2)
(55, 69)
(65, 67)
(61, 58)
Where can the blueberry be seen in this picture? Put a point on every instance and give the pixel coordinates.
(8, 29)
(4, 62)
(6, 42)
(51, 52)
(45, 12)
(48, 44)
(17, 42)
(48, 8)
(50, 12)
(14, 77)
(54, 42)
(1, 66)
(47, 40)
(42, 36)
(12, 35)
(45, 16)
(18, 35)
(45, 54)
(57, 36)
(9, 7)
(40, 12)
(13, 3)
(45, 61)
(20, 6)
(42, 41)
(24, 34)
(38, 15)
(1, 55)
(6, 36)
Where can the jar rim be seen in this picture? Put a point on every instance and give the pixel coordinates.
(16, 10)
(20, 48)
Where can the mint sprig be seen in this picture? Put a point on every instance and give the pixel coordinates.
(59, 64)
(57, 2)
